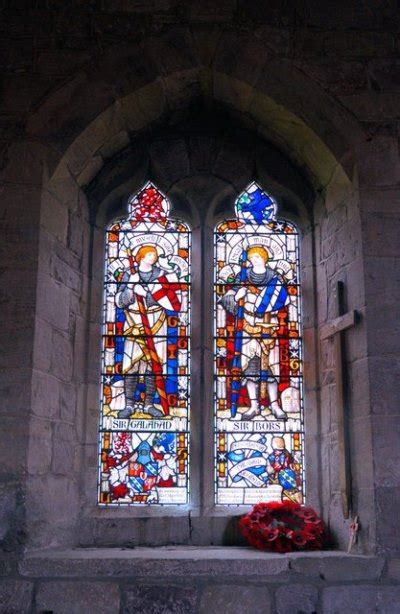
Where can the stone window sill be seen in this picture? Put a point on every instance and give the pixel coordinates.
(186, 561)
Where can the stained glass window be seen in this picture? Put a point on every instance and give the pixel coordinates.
(145, 361)
(258, 356)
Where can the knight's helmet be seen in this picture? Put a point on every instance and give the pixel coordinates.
(144, 453)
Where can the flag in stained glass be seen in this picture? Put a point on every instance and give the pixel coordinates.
(258, 356)
(144, 421)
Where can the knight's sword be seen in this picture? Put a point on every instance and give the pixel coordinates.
(236, 368)
(151, 349)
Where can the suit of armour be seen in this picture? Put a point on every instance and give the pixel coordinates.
(162, 295)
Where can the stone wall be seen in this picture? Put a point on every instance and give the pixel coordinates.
(202, 176)
(97, 97)
(191, 581)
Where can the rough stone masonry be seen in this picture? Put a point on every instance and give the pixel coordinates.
(201, 97)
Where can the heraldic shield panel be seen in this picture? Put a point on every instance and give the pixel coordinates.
(258, 356)
(145, 361)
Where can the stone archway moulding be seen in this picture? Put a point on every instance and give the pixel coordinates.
(326, 157)
(115, 128)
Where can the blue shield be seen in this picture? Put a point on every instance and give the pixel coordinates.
(287, 479)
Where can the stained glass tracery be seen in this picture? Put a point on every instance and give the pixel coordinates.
(144, 421)
(258, 388)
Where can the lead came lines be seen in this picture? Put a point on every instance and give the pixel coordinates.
(144, 422)
(258, 383)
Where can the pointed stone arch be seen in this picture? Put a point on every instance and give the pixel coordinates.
(103, 111)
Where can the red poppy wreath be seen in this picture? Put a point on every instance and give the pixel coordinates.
(283, 527)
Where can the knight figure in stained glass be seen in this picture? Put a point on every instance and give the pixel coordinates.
(145, 402)
(258, 383)
(257, 294)
(148, 295)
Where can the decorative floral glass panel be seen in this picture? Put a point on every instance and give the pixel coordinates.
(258, 356)
(145, 361)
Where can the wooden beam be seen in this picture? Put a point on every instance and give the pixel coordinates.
(334, 330)
(339, 324)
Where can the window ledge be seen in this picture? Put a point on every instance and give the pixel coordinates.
(182, 561)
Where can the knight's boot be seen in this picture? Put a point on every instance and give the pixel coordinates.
(149, 408)
(276, 409)
(126, 412)
(251, 412)
(254, 409)
(129, 409)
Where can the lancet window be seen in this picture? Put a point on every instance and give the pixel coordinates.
(258, 387)
(144, 422)
(258, 356)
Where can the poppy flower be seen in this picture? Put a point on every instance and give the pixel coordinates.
(299, 538)
(283, 545)
(313, 529)
(271, 534)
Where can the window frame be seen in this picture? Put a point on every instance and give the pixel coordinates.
(201, 503)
